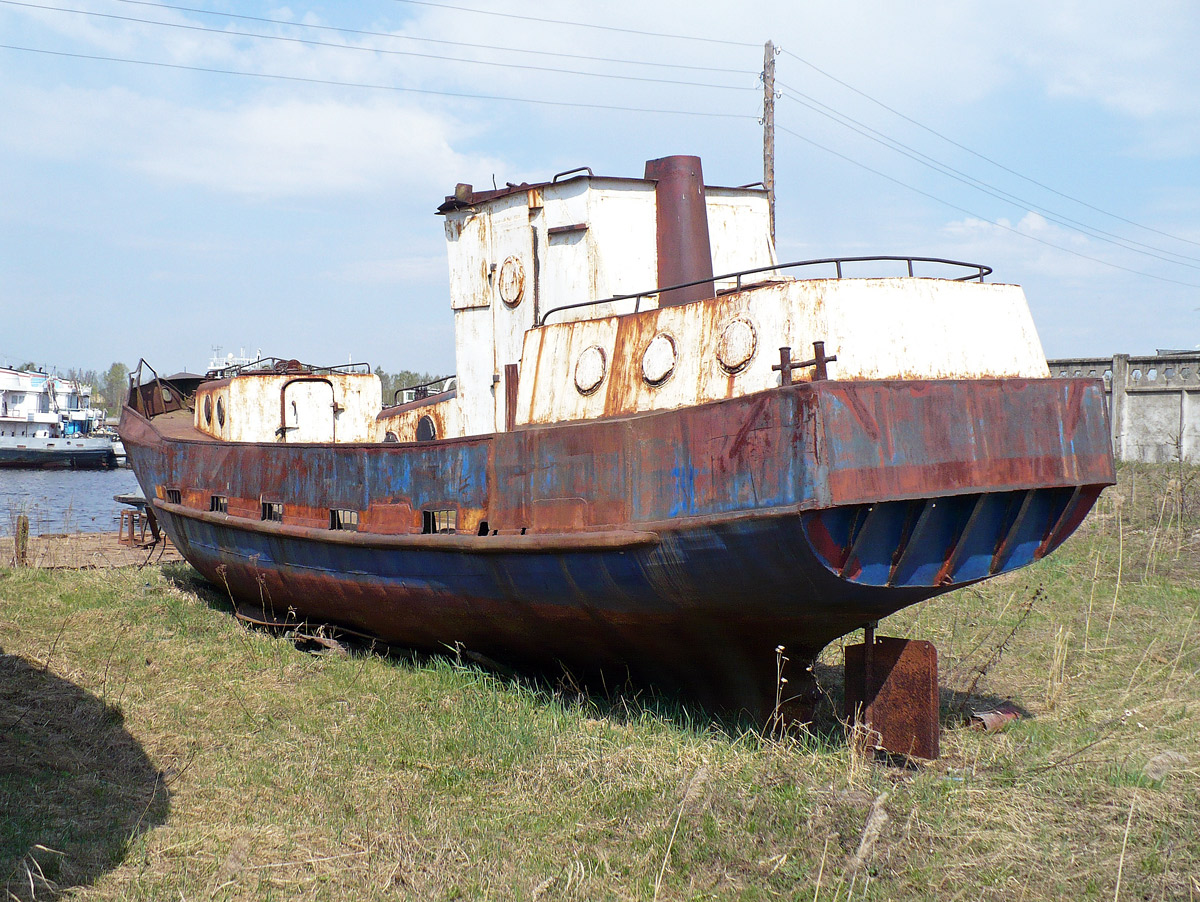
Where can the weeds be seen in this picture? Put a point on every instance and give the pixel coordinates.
(161, 750)
(1057, 680)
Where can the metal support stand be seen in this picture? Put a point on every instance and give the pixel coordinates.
(892, 689)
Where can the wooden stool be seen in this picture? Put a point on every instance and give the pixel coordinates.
(132, 530)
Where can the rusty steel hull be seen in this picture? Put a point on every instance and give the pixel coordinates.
(679, 547)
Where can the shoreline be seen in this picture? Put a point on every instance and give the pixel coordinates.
(85, 551)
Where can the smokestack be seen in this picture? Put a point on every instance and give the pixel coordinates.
(684, 253)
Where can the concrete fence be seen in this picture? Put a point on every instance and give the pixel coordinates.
(1153, 403)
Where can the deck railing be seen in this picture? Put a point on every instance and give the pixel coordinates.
(976, 272)
(281, 366)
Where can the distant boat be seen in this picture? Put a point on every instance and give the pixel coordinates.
(48, 422)
(632, 473)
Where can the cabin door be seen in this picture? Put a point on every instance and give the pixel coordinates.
(515, 298)
(308, 411)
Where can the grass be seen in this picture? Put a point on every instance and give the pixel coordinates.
(153, 748)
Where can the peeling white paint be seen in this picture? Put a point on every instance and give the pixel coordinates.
(251, 408)
(531, 250)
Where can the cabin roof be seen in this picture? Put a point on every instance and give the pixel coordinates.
(466, 196)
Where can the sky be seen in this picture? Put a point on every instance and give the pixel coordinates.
(177, 177)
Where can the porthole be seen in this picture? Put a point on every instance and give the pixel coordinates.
(737, 345)
(221, 412)
(658, 360)
(391, 437)
(426, 430)
(512, 281)
(208, 410)
(590, 369)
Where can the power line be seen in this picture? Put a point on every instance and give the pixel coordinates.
(988, 159)
(378, 87)
(990, 222)
(440, 41)
(649, 34)
(945, 169)
(409, 53)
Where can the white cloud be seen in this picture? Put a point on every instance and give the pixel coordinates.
(258, 148)
(300, 147)
(1032, 245)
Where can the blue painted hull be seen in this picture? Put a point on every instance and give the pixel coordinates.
(679, 547)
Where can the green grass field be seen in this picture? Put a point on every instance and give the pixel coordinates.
(153, 748)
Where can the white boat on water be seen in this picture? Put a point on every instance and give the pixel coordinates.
(48, 422)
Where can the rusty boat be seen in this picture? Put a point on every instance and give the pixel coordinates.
(664, 455)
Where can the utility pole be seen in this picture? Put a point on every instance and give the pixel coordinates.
(768, 79)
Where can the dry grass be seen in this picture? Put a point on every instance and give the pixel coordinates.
(152, 748)
(85, 551)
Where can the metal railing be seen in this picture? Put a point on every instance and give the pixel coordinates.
(281, 366)
(424, 390)
(977, 273)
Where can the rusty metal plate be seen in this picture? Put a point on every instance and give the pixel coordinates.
(895, 694)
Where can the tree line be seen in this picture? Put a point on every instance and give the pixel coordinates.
(108, 388)
(392, 382)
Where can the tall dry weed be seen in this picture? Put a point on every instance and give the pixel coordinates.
(1057, 680)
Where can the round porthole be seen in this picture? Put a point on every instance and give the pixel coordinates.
(221, 412)
(737, 345)
(658, 360)
(426, 431)
(590, 369)
(512, 281)
(208, 410)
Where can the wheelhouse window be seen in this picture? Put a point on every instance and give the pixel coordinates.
(219, 504)
(439, 521)
(343, 519)
(273, 511)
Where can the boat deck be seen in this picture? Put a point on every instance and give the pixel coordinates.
(179, 424)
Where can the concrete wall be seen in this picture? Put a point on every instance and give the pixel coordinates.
(1154, 403)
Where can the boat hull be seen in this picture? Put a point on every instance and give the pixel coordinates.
(57, 453)
(678, 547)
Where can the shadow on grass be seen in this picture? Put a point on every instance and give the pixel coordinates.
(954, 706)
(187, 578)
(76, 789)
(623, 701)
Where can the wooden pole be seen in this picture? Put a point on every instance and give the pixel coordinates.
(21, 541)
(768, 78)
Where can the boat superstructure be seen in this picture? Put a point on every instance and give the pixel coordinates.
(662, 454)
(48, 422)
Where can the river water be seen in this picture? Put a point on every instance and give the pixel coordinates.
(59, 501)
